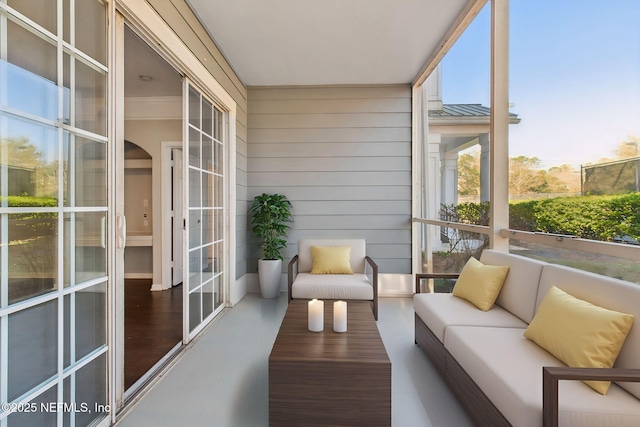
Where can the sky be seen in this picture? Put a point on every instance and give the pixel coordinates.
(574, 76)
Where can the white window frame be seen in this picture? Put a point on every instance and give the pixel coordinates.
(498, 229)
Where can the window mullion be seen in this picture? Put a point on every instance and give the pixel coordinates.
(61, 254)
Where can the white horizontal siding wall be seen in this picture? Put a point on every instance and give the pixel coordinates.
(342, 155)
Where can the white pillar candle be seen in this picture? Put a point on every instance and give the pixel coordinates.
(340, 316)
(316, 315)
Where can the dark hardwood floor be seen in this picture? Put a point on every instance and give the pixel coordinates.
(153, 326)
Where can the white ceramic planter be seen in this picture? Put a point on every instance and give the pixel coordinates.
(269, 274)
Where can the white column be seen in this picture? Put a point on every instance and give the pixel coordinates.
(433, 182)
(485, 165)
(432, 157)
(499, 129)
(419, 242)
(449, 173)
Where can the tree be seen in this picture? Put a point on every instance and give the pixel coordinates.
(469, 174)
(22, 154)
(627, 149)
(624, 150)
(525, 176)
(563, 179)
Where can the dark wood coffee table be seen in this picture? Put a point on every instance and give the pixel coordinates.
(329, 378)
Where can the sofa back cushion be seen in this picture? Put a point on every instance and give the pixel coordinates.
(579, 333)
(520, 289)
(358, 252)
(606, 292)
(480, 283)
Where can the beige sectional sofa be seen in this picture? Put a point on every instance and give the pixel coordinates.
(497, 374)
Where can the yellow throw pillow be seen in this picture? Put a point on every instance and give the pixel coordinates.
(480, 284)
(580, 334)
(331, 260)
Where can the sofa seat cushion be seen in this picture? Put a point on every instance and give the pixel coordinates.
(332, 286)
(508, 368)
(439, 311)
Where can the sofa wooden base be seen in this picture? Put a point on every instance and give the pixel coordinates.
(477, 405)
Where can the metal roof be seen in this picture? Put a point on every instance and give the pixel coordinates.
(467, 110)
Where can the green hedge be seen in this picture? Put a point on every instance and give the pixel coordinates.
(31, 202)
(592, 217)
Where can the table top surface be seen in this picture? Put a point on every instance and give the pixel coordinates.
(361, 343)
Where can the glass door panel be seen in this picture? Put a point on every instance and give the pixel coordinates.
(31, 254)
(40, 418)
(89, 97)
(53, 208)
(204, 141)
(195, 188)
(86, 171)
(195, 269)
(43, 12)
(195, 228)
(207, 300)
(32, 362)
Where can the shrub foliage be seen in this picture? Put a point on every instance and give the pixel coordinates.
(604, 218)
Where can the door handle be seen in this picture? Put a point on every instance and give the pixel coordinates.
(121, 223)
(103, 232)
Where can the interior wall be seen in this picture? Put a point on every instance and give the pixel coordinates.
(138, 184)
(178, 15)
(342, 155)
(148, 134)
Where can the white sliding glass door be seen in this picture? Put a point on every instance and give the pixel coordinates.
(205, 247)
(53, 212)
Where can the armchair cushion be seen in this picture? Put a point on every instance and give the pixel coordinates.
(332, 286)
(331, 260)
(361, 285)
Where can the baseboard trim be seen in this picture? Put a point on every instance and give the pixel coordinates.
(138, 275)
(238, 290)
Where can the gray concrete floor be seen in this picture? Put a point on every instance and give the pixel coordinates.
(222, 379)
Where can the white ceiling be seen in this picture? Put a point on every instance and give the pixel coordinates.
(320, 42)
(141, 60)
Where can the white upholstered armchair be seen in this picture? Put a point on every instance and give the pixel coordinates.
(361, 285)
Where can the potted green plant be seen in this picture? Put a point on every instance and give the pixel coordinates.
(270, 214)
